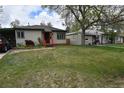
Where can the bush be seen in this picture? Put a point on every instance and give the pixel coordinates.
(29, 43)
(20, 46)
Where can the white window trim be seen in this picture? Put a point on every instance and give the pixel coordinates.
(20, 34)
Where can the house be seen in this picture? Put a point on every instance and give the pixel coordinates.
(48, 35)
(91, 36)
(119, 39)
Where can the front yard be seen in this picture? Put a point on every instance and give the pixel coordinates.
(64, 66)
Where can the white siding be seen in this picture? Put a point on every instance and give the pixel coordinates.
(104, 40)
(100, 39)
(34, 35)
(56, 41)
(118, 39)
(28, 35)
(121, 39)
(75, 39)
(88, 40)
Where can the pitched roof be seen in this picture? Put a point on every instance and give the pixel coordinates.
(39, 27)
(88, 32)
(34, 27)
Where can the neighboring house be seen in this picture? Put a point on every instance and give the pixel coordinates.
(119, 39)
(48, 35)
(90, 37)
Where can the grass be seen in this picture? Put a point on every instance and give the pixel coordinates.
(28, 47)
(64, 66)
(115, 45)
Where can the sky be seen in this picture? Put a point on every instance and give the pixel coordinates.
(31, 14)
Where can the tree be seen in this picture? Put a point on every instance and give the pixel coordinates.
(75, 26)
(49, 24)
(87, 16)
(1, 13)
(112, 19)
(42, 23)
(0, 26)
(15, 23)
(1, 9)
(113, 15)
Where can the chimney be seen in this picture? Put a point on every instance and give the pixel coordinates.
(1, 9)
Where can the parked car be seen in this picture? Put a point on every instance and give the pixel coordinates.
(4, 44)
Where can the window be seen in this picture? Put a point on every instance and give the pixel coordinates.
(60, 36)
(20, 34)
(86, 38)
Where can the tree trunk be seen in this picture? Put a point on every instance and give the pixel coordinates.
(83, 37)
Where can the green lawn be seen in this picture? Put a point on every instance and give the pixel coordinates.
(115, 45)
(64, 66)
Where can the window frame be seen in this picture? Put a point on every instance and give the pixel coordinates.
(20, 34)
(60, 35)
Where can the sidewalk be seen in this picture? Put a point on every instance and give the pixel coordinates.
(2, 55)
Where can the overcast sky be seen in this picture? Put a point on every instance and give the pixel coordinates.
(32, 14)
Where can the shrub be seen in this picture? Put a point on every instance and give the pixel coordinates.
(29, 43)
(20, 46)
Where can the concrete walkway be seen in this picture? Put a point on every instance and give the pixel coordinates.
(24, 50)
(2, 55)
(13, 51)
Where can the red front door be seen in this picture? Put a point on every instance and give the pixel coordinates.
(48, 38)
